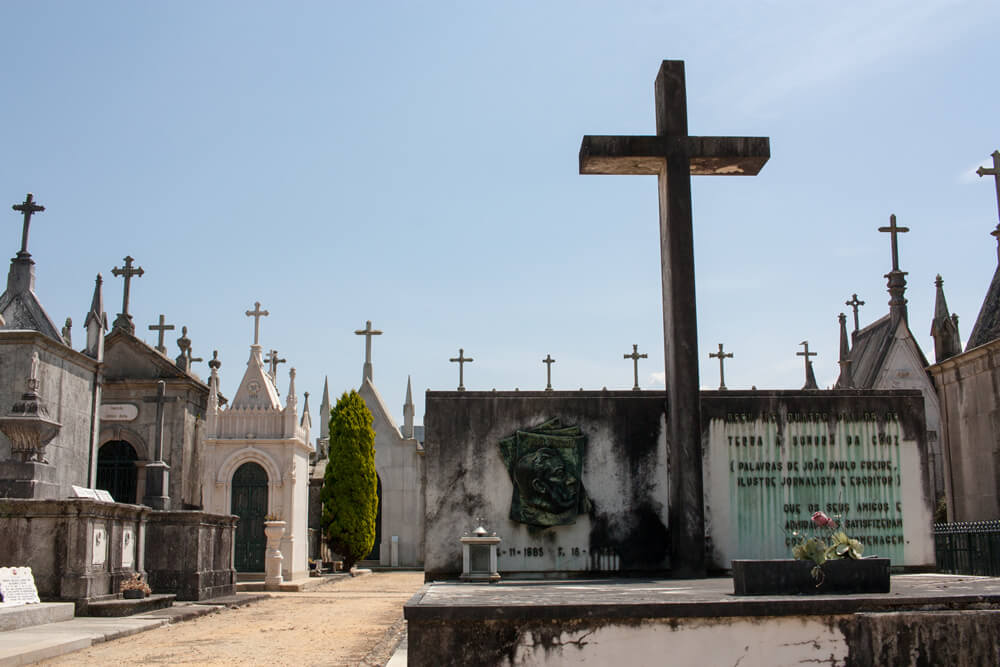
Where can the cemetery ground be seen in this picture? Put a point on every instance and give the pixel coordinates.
(348, 621)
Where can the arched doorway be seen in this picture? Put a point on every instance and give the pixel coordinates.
(249, 503)
(116, 471)
(376, 552)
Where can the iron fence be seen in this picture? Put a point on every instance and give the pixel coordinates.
(968, 547)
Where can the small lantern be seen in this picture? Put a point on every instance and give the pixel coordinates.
(479, 556)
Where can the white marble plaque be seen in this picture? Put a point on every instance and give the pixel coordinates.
(84, 492)
(128, 547)
(104, 496)
(118, 412)
(100, 545)
(17, 586)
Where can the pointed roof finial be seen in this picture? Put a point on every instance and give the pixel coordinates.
(306, 417)
(324, 411)
(409, 392)
(896, 278)
(944, 327)
(846, 380)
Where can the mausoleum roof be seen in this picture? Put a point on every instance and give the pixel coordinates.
(987, 325)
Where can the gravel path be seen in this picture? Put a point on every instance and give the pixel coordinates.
(353, 621)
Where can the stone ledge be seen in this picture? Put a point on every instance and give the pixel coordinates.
(27, 615)
(121, 607)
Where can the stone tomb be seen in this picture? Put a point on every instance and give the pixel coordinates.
(575, 483)
(772, 458)
(572, 482)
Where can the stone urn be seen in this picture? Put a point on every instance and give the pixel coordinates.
(273, 530)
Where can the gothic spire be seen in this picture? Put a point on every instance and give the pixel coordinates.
(306, 422)
(96, 323)
(408, 411)
(845, 381)
(324, 411)
(944, 327)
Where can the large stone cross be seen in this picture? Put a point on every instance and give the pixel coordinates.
(273, 360)
(461, 359)
(367, 332)
(124, 320)
(256, 314)
(672, 156)
(28, 208)
(635, 357)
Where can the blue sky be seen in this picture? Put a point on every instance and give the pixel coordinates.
(415, 164)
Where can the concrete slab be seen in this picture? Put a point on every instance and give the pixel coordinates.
(23, 616)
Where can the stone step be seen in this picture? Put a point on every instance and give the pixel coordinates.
(122, 607)
(27, 615)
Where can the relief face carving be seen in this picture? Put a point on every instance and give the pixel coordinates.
(545, 464)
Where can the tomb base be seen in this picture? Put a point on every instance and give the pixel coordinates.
(954, 618)
(28, 479)
(795, 577)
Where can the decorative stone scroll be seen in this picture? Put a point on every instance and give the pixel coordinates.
(545, 464)
(17, 587)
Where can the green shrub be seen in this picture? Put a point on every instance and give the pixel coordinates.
(350, 485)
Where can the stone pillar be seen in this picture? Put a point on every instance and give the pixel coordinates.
(273, 558)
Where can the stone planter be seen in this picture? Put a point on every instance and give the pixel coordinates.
(793, 577)
(133, 594)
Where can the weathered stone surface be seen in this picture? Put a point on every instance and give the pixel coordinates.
(191, 554)
(624, 474)
(795, 577)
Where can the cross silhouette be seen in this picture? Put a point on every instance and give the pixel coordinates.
(548, 361)
(462, 360)
(673, 156)
(983, 171)
(28, 208)
(722, 359)
(124, 320)
(894, 231)
(256, 314)
(367, 332)
(273, 360)
(161, 327)
(854, 303)
(806, 353)
(635, 357)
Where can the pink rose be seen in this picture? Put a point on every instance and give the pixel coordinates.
(823, 520)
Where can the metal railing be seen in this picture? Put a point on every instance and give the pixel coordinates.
(968, 547)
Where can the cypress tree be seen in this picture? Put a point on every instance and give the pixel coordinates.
(350, 486)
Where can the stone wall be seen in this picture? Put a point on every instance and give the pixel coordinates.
(968, 386)
(67, 387)
(79, 550)
(190, 554)
(625, 477)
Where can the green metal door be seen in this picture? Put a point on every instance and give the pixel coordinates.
(249, 503)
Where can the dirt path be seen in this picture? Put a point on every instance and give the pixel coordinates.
(339, 623)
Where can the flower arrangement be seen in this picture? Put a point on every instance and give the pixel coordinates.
(831, 544)
(135, 583)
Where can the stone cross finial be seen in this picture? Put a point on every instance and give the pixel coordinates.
(673, 156)
(256, 314)
(367, 332)
(806, 354)
(854, 303)
(161, 327)
(28, 208)
(548, 361)
(635, 357)
(894, 231)
(983, 171)
(461, 359)
(273, 360)
(124, 320)
(721, 356)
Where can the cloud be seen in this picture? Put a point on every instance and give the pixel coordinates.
(969, 174)
(658, 379)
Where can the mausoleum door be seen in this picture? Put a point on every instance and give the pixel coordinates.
(375, 552)
(116, 471)
(249, 503)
